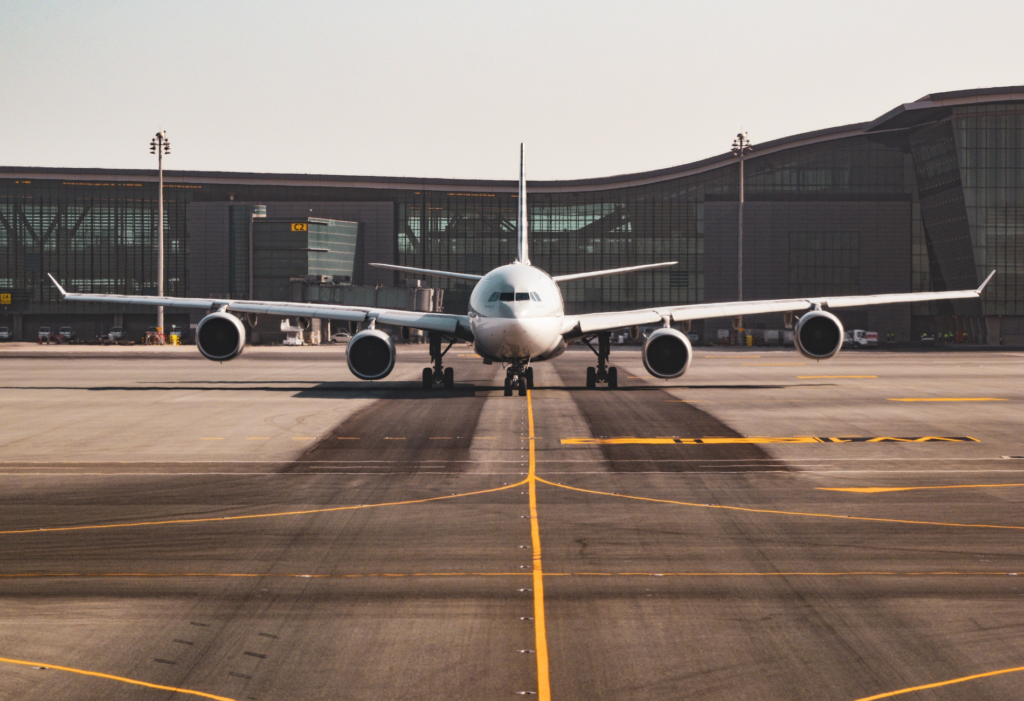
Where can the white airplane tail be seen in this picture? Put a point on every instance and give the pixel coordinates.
(523, 238)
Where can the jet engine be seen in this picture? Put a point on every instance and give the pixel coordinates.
(667, 353)
(818, 335)
(220, 336)
(371, 355)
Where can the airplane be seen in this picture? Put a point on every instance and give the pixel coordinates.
(517, 317)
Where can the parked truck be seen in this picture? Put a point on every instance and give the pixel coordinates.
(858, 338)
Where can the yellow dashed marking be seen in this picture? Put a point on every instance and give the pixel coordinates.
(466, 355)
(212, 438)
(394, 438)
(730, 440)
(948, 399)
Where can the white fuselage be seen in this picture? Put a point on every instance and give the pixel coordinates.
(516, 314)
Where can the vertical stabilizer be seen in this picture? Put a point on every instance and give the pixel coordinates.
(523, 248)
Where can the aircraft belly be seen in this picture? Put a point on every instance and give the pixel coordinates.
(516, 338)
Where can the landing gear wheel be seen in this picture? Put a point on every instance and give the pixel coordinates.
(529, 378)
(428, 378)
(591, 378)
(522, 386)
(449, 378)
(613, 378)
(508, 386)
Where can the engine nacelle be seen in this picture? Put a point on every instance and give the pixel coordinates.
(370, 355)
(220, 336)
(667, 353)
(818, 335)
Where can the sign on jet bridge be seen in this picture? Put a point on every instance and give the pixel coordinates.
(5, 298)
(300, 227)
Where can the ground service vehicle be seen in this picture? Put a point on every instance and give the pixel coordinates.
(858, 338)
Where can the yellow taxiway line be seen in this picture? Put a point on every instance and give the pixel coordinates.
(837, 377)
(948, 682)
(948, 399)
(125, 680)
(221, 519)
(878, 490)
(784, 513)
(540, 626)
(758, 440)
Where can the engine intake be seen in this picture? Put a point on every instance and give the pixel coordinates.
(667, 353)
(371, 355)
(220, 336)
(818, 335)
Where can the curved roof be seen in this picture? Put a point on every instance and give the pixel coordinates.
(927, 109)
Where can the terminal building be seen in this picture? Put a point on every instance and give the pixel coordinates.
(929, 196)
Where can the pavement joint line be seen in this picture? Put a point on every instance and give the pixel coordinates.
(398, 575)
(125, 680)
(784, 513)
(948, 682)
(171, 522)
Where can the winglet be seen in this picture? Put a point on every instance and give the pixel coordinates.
(990, 276)
(64, 293)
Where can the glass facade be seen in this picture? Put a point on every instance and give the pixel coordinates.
(989, 141)
(93, 236)
(928, 196)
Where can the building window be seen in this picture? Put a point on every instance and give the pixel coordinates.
(823, 264)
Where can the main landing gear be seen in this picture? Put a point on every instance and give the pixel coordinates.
(602, 373)
(438, 373)
(518, 376)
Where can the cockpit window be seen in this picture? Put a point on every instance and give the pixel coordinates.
(493, 297)
(522, 296)
(535, 297)
(507, 296)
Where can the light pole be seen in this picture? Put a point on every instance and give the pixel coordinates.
(160, 146)
(741, 147)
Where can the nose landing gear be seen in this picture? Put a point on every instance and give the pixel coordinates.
(518, 377)
(602, 373)
(439, 373)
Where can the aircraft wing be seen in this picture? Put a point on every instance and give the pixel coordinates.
(583, 324)
(453, 324)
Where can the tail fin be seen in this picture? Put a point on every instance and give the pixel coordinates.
(523, 248)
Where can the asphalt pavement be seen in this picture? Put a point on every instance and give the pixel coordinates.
(765, 527)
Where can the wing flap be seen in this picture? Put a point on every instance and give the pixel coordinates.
(589, 323)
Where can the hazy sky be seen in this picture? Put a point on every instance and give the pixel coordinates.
(450, 89)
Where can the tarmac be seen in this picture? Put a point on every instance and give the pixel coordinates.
(271, 528)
